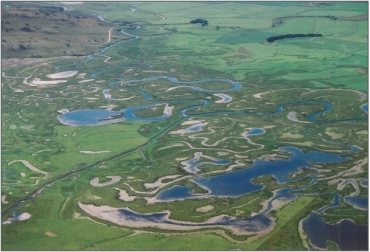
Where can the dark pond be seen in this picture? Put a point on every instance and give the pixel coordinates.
(346, 234)
(364, 183)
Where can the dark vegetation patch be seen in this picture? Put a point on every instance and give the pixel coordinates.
(272, 39)
(204, 22)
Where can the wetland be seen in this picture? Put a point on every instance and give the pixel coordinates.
(162, 134)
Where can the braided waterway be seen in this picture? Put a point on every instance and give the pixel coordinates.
(232, 184)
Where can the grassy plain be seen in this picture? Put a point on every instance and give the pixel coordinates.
(301, 72)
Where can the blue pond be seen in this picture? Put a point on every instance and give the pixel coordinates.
(239, 182)
(255, 131)
(346, 234)
(87, 117)
(365, 107)
(364, 183)
(360, 202)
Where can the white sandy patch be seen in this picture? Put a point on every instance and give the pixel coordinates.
(356, 169)
(309, 143)
(86, 80)
(3, 199)
(81, 75)
(22, 174)
(95, 152)
(172, 88)
(293, 117)
(224, 98)
(153, 199)
(63, 111)
(222, 153)
(90, 98)
(50, 234)
(171, 146)
(107, 58)
(18, 91)
(114, 179)
(159, 182)
(113, 215)
(190, 129)
(124, 196)
(168, 110)
(191, 122)
(259, 95)
(159, 15)
(22, 217)
(109, 107)
(61, 75)
(37, 81)
(29, 166)
(204, 209)
(240, 156)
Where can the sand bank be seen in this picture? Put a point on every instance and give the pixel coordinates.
(159, 182)
(29, 166)
(114, 179)
(61, 75)
(293, 117)
(95, 152)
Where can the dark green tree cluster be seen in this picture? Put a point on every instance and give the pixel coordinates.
(272, 39)
(199, 21)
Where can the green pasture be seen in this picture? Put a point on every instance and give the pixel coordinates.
(245, 36)
(328, 27)
(296, 26)
(332, 11)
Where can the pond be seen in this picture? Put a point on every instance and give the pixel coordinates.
(238, 182)
(365, 107)
(358, 202)
(346, 234)
(89, 117)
